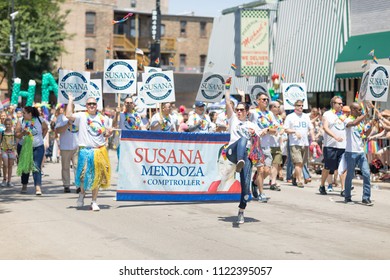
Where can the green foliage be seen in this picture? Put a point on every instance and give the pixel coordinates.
(40, 22)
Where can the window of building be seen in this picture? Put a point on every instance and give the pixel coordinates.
(202, 62)
(90, 18)
(134, 3)
(162, 30)
(183, 27)
(203, 29)
(183, 61)
(90, 55)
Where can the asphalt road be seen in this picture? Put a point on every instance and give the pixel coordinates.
(296, 224)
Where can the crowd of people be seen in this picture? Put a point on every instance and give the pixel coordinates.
(266, 142)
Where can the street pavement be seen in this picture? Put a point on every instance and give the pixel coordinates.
(296, 224)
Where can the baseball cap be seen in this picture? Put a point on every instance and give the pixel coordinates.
(199, 104)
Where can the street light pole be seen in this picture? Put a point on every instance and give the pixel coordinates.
(156, 35)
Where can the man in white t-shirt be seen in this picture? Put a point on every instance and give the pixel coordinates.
(354, 154)
(68, 146)
(93, 168)
(298, 126)
(199, 121)
(334, 142)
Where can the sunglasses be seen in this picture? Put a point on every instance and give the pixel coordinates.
(298, 105)
(264, 99)
(240, 109)
(128, 103)
(91, 104)
(338, 103)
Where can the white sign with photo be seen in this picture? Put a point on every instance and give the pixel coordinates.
(158, 87)
(293, 92)
(75, 83)
(212, 87)
(120, 76)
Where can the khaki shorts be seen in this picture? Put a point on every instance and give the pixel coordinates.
(299, 154)
(267, 158)
(276, 153)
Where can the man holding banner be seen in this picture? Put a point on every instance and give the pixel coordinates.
(93, 169)
(199, 121)
(163, 121)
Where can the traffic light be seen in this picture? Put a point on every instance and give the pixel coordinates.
(25, 50)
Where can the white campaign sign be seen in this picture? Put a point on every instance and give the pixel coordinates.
(378, 83)
(211, 88)
(255, 89)
(148, 69)
(141, 97)
(293, 92)
(95, 90)
(158, 87)
(120, 76)
(363, 86)
(75, 83)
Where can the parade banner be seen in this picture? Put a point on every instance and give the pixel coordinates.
(174, 166)
(211, 88)
(76, 83)
(255, 89)
(148, 69)
(293, 92)
(158, 87)
(95, 90)
(120, 76)
(252, 42)
(378, 83)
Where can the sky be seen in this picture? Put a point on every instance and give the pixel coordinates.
(211, 8)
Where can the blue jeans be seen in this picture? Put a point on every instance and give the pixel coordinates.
(360, 160)
(38, 153)
(235, 152)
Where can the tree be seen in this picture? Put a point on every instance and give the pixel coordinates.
(40, 22)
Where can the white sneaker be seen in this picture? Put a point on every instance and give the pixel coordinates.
(94, 206)
(4, 184)
(240, 218)
(240, 165)
(10, 185)
(80, 200)
(263, 198)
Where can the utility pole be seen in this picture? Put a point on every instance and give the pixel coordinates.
(156, 36)
(12, 43)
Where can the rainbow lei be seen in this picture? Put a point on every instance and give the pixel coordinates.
(265, 119)
(203, 122)
(137, 124)
(360, 127)
(99, 130)
(73, 128)
(164, 124)
(340, 115)
(29, 125)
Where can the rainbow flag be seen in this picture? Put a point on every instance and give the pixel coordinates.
(371, 53)
(364, 64)
(233, 67)
(357, 96)
(157, 61)
(123, 19)
(375, 59)
(283, 77)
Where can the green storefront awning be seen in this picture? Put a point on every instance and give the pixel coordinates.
(355, 75)
(358, 47)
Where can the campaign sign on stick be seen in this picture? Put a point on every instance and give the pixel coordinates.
(293, 92)
(211, 88)
(95, 90)
(255, 89)
(141, 97)
(364, 86)
(149, 69)
(175, 166)
(158, 87)
(75, 83)
(120, 76)
(378, 83)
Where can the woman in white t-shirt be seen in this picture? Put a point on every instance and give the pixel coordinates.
(32, 130)
(241, 131)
